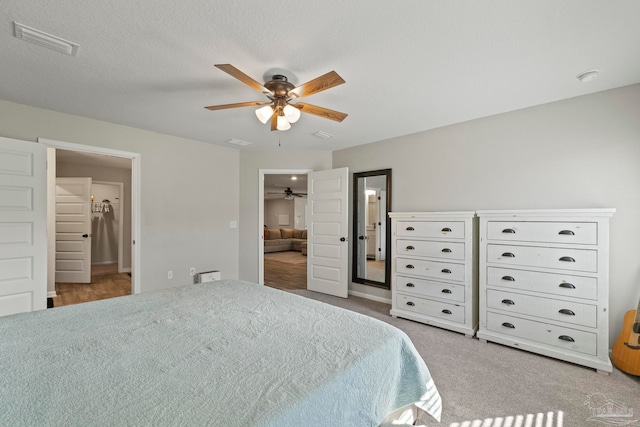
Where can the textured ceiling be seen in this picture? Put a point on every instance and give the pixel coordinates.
(409, 66)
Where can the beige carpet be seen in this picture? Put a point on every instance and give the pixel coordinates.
(490, 385)
(291, 257)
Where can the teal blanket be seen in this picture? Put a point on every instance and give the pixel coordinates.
(225, 353)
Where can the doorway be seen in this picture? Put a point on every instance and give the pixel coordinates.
(263, 192)
(285, 228)
(113, 272)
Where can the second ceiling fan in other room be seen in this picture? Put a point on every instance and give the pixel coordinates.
(289, 194)
(281, 92)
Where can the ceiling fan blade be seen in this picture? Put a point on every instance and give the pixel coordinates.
(240, 104)
(316, 85)
(234, 72)
(274, 121)
(320, 111)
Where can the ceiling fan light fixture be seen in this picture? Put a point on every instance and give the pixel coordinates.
(283, 123)
(264, 113)
(291, 113)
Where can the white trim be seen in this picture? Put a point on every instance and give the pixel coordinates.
(52, 294)
(261, 174)
(136, 250)
(370, 297)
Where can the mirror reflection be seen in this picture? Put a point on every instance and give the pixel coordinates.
(372, 228)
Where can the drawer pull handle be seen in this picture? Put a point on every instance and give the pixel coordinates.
(446, 291)
(446, 230)
(411, 303)
(409, 266)
(508, 325)
(410, 248)
(446, 270)
(508, 255)
(508, 302)
(567, 312)
(567, 259)
(410, 285)
(508, 278)
(410, 229)
(566, 338)
(445, 311)
(509, 231)
(567, 233)
(567, 285)
(446, 250)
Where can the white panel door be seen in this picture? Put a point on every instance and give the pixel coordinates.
(327, 257)
(73, 230)
(23, 226)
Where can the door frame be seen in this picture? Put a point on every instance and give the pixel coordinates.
(135, 204)
(261, 174)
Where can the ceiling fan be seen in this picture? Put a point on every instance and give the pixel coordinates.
(281, 92)
(289, 194)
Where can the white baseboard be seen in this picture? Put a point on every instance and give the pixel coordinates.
(51, 294)
(125, 270)
(104, 262)
(370, 297)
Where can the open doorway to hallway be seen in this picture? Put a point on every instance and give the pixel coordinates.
(103, 247)
(285, 226)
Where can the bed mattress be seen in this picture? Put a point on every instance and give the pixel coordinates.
(229, 353)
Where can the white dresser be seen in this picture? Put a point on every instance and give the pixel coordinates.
(434, 269)
(544, 282)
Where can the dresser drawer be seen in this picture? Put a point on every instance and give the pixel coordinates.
(545, 308)
(562, 259)
(557, 336)
(431, 269)
(549, 283)
(581, 233)
(451, 229)
(429, 288)
(442, 310)
(445, 250)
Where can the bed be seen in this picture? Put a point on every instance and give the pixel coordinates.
(229, 353)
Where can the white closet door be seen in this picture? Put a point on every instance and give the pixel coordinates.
(73, 230)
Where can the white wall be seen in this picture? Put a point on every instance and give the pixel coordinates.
(275, 207)
(578, 153)
(190, 191)
(250, 224)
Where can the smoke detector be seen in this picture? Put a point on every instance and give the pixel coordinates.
(587, 76)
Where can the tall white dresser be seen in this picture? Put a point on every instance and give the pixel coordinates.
(544, 282)
(434, 269)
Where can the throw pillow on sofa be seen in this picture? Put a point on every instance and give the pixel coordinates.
(297, 233)
(274, 233)
(287, 233)
(304, 234)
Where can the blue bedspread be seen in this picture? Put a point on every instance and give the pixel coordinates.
(226, 353)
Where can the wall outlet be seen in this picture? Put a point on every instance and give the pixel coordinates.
(169, 274)
(192, 271)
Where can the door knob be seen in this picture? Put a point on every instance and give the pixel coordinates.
(342, 239)
(86, 235)
(361, 237)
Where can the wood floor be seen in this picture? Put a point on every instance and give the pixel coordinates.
(106, 282)
(285, 276)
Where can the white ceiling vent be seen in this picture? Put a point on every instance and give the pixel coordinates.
(323, 134)
(45, 40)
(238, 142)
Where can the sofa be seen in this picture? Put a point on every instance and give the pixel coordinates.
(284, 239)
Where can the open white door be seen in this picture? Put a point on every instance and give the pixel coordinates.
(23, 226)
(327, 250)
(73, 230)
